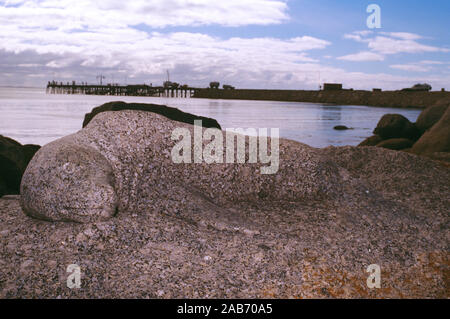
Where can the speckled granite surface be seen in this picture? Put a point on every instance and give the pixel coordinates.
(224, 230)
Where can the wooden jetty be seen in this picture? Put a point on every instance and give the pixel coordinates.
(120, 90)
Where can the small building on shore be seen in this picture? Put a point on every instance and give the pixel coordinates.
(214, 85)
(332, 86)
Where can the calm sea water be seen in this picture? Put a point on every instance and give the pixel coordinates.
(29, 115)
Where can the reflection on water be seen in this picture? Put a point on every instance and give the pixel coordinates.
(330, 113)
(31, 116)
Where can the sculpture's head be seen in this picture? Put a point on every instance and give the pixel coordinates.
(68, 182)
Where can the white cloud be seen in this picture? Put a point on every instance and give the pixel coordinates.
(57, 64)
(133, 46)
(355, 37)
(403, 35)
(362, 56)
(85, 36)
(411, 67)
(358, 35)
(421, 66)
(28, 65)
(428, 62)
(385, 45)
(80, 14)
(142, 55)
(393, 42)
(364, 32)
(76, 40)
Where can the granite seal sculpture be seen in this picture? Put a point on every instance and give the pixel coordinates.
(121, 161)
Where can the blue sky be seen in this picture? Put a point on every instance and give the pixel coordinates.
(247, 43)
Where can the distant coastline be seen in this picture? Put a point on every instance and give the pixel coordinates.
(392, 99)
(21, 87)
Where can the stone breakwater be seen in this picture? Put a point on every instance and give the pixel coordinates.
(146, 227)
(345, 97)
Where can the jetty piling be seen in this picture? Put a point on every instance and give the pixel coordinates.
(54, 87)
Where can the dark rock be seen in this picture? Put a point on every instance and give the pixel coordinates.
(341, 128)
(169, 112)
(396, 126)
(10, 176)
(28, 152)
(396, 144)
(437, 139)
(14, 159)
(3, 188)
(371, 141)
(431, 115)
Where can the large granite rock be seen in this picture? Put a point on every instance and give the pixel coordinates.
(14, 158)
(396, 144)
(436, 139)
(396, 126)
(222, 230)
(431, 115)
(371, 141)
(167, 111)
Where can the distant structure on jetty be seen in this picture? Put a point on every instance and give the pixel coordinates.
(169, 89)
(332, 86)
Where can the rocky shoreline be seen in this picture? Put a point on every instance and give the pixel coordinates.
(223, 230)
(429, 136)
